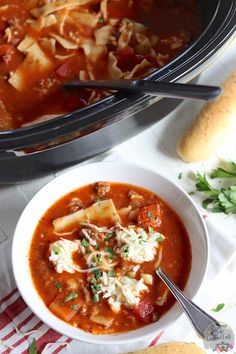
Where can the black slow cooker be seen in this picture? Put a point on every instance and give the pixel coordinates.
(39, 149)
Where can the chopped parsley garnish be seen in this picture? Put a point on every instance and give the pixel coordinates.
(180, 175)
(150, 230)
(32, 347)
(160, 238)
(149, 214)
(97, 273)
(218, 308)
(98, 257)
(95, 298)
(57, 284)
(109, 236)
(55, 249)
(101, 20)
(125, 251)
(70, 297)
(84, 243)
(191, 193)
(73, 307)
(109, 250)
(218, 200)
(111, 273)
(97, 246)
(95, 288)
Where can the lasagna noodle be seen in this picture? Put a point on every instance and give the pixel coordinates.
(102, 210)
(36, 64)
(58, 5)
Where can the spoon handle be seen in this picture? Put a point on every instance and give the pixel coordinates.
(200, 319)
(155, 88)
(200, 92)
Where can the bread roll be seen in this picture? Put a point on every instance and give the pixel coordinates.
(172, 348)
(212, 126)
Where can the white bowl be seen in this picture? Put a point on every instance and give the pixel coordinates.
(107, 171)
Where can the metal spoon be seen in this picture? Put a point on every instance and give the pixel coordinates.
(199, 319)
(155, 88)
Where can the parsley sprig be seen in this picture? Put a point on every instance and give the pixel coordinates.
(223, 173)
(32, 349)
(218, 308)
(218, 200)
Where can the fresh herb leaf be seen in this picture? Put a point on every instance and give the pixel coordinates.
(84, 243)
(191, 193)
(218, 200)
(109, 250)
(57, 284)
(98, 257)
(73, 307)
(150, 230)
(125, 251)
(95, 288)
(95, 298)
(55, 249)
(97, 246)
(97, 273)
(109, 236)
(149, 214)
(203, 185)
(218, 308)
(101, 20)
(233, 165)
(32, 349)
(70, 297)
(180, 175)
(222, 173)
(111, 273)
(160, 238)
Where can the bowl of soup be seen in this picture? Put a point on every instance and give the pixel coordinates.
(43, 44)
(90, 242)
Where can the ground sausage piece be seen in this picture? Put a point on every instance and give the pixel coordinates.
(102, 188)
(75, 205)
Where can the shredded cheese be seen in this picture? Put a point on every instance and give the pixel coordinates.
(136, 245)
(61, 255)
(121, 290)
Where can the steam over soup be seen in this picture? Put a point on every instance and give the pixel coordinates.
(44, 43)
(94, 254)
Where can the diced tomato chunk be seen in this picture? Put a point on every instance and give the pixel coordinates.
(150, 216)
(144, 310)
(65, 310)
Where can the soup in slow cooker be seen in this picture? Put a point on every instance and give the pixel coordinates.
(44, 43)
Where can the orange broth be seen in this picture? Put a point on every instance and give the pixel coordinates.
(176, 261)
(43, 94)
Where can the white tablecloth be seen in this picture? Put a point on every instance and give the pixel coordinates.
(155, 149)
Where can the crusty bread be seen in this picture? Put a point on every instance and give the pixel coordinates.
(172, 348)
(212, 126)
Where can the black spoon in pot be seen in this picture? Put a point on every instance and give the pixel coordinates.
(155, 88)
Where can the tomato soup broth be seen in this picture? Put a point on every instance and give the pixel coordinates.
(117, 236)
(44, 43)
